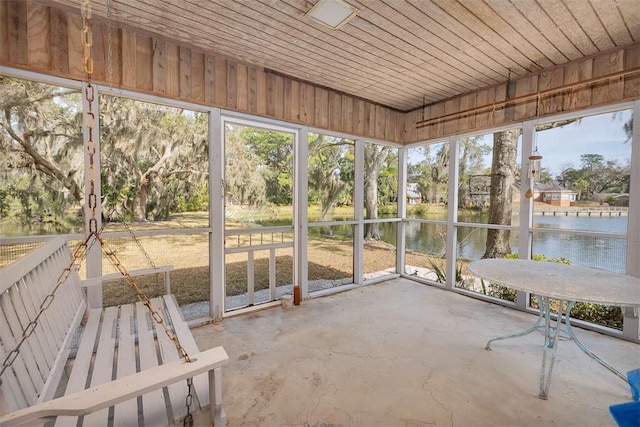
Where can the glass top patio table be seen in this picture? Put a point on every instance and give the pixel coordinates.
(563, 282)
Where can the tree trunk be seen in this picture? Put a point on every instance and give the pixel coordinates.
(140, 200)
(462, 173)
(435, 180)
(139, 207)
(371, 231)
(374, 158)
(503, 166)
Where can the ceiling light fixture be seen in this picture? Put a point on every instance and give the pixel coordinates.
(332, 13)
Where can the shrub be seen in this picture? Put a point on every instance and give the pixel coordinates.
(420, 211)
(441, 275)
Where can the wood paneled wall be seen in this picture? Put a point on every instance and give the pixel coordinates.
(537, 95)
(45, 39)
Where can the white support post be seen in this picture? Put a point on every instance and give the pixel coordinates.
(216, 216)
(218, 417)
(633, 227)
(452, 213)
(358, 201)
(300, 217)
(631, 321)
(94, 254)
(251, 277)
(402, 210)
(526, 205)
(272, 274)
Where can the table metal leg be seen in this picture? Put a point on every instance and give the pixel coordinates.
(585, 349)
(551, 335)
(535, 326)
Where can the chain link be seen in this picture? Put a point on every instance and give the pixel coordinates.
(90, 117)
(92, 199)
(30, 328)
(187, 421)
(79, 254)
(138, 243)
(143, 298)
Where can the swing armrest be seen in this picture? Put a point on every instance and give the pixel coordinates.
(108, 394)
(140, 272)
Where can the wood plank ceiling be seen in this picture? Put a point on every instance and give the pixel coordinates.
(398, 53)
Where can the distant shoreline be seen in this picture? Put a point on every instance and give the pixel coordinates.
(598, 211)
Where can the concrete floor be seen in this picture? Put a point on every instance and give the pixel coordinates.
(404, 354)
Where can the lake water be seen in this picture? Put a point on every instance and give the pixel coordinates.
(599, 252)
(592, 251)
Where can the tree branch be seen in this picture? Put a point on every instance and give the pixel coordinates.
(551, 125)
(37, 99)
(41, 163)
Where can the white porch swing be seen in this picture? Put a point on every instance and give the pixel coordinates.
(129, 358)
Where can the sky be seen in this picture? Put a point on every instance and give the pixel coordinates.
(563, 146)
(600, 134)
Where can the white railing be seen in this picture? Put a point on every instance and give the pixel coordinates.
(13, 249)
(250, 241)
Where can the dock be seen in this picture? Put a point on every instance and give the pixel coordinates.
(583, 212)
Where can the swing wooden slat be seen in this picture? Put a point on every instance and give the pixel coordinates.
(126, 413)
(153, 403)
(82, 362)
(169, 353)
(10, 336)
(103, 361)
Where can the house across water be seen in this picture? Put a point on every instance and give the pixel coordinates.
(554, 194)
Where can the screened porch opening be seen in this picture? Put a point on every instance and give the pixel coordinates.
(238, 155)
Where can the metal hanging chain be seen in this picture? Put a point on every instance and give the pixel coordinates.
(137, 242)
(94, 234)
(90, 118)
(143, 298)
(187, 421)
(92, 200)
(28, 330)
(79, 254)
